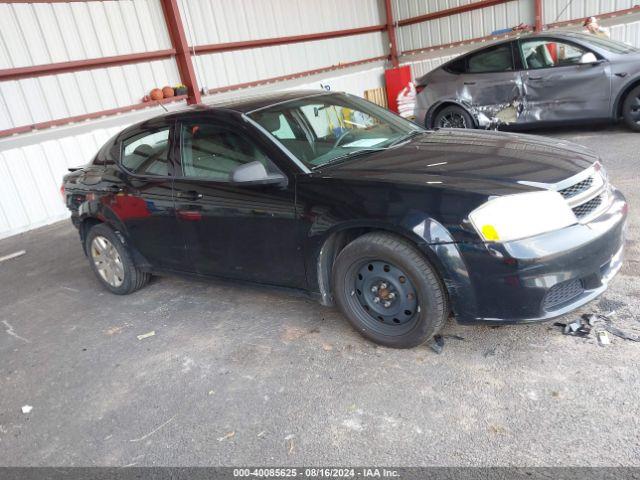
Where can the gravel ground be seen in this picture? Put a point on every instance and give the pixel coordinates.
(238, 375)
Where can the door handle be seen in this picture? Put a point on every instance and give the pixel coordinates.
(469, 83)
(190, 195)
(534, 78)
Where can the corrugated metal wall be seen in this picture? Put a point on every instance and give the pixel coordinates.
(208, 22)
(31, 178)
(627, 32)
(561, 10)
(42, 33)
(464, 26)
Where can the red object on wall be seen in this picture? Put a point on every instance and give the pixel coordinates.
(396, 79)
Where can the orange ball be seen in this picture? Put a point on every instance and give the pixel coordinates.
(156, 94)
(167, 92)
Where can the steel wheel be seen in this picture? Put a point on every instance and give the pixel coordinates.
(453, 120)
(107, 261)
(387, 295)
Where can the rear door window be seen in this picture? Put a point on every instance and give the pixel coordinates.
(492, 59)
(147, 153)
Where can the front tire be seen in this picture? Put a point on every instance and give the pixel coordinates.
(631, 109)
(389, 291)
(453, 117)
(112, 263)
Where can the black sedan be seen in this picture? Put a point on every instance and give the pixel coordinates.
(331, 194)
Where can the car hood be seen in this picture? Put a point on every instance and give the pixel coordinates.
(484, 162)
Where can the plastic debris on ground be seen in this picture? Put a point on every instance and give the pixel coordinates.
(603, 338)
(11, 256)
(599, 324)
(437, 344)
(227, 436)
(27, 409)
(146, 335)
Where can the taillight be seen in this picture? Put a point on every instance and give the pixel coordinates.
(62, 193)
(419, 89)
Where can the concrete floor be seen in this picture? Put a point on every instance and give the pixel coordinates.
(240, 375)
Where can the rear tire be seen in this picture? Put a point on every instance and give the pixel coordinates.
(111, 262)
(453, 117)
(389, 291)
(631, 109)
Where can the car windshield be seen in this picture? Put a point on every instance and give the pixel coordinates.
(612, 46)
(324, 129)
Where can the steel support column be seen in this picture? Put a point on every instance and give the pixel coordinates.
(391, 32)
(538, 15)
(183, 55)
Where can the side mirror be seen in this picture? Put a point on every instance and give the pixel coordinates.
(255, 173)
(588, 58)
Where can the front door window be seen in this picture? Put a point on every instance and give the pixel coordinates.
(550, 53)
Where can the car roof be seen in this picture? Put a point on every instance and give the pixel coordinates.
(559, 33)
(250, 103)
(241, 105)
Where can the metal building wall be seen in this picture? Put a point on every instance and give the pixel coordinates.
(562, 10)
(424, 66)
(32, 166)
(44, 33)
(31, 178)
(463, 26)
(211, 22)
(627, 32)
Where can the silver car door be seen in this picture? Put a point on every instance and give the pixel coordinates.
(558, 86)
(491, 86)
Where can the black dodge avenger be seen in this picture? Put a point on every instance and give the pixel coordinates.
(328, 193)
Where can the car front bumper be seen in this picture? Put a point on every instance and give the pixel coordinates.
(542, 277)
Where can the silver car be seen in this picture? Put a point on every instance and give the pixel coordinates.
(543, 78)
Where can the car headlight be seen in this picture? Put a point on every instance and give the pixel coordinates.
(521, 215)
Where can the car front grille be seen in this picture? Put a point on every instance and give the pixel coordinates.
(577, 188)
(587, 208)
(588, 195)
(562, 293)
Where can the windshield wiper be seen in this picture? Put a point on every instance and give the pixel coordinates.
(347, 156)
(407, 136)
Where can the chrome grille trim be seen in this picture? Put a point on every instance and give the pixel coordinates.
(577, 188)
(587, 208)
(586, 193)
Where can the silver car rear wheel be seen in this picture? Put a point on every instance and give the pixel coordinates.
(453, 116)
(453, 120)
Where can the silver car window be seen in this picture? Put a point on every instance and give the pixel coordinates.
(493, 59)
(547, 53)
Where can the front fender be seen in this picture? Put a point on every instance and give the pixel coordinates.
(429, 236)
(437, 244)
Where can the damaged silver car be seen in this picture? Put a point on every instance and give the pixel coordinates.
(537, 79)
